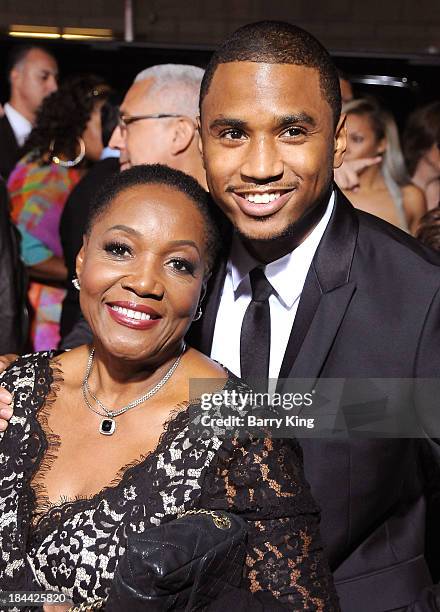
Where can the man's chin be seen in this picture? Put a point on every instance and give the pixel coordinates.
(264, 229)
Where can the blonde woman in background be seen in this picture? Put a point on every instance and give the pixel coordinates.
(384, 188)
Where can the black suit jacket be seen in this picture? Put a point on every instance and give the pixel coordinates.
(13, 283)
(9, 149)
(370, 308)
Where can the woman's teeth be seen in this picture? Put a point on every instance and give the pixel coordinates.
(262, 198)
(132, 314)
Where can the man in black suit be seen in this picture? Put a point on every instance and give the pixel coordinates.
(33, 74)
(348, 297)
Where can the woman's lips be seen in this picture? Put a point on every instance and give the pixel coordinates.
(257, 209)
(132, 315)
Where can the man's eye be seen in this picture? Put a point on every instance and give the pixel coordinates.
(117, 248)
(293, 132)
(181, 265)
(232, 134)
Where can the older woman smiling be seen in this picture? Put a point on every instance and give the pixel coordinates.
(87, 459)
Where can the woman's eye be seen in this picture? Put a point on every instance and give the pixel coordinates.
(117, 248)
(182, 265)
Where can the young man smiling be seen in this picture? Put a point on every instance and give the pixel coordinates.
(312, 288)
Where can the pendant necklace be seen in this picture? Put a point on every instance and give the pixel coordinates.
(108, 423)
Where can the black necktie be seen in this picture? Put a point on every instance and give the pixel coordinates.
(255, 333)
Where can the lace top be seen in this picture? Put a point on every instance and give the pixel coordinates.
(74, 547)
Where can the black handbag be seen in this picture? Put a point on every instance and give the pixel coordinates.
(183, 565)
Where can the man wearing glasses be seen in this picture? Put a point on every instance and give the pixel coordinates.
(157, 122)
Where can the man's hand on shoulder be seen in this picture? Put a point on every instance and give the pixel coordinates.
(5, 397)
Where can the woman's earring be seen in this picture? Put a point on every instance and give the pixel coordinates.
(198, 314)
(75, 283)
(71, 162)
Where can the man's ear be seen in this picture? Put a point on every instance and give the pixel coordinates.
(340, 142)
(184, 132)
(14, 76)
(200, 143)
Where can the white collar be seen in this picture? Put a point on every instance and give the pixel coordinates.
(287, 275)
(21, 126)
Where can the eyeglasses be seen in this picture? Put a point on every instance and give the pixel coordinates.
(125, 120)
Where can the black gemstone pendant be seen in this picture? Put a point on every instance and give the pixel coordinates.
(107, 427)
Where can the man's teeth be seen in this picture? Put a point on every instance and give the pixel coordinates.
(131, 314)
(262, 198)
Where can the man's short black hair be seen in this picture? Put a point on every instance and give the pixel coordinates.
(278, 42)
(18, 53)
(158, 174)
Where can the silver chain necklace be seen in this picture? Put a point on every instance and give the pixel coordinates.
(108, 424)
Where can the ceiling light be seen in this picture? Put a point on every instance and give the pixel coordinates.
(87, 33)
(31, 31)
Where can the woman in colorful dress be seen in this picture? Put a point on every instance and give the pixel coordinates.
(65, 139)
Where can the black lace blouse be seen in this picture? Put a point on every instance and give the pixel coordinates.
(74, 547)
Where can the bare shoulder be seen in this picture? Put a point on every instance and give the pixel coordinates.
(414, 198)
(202, 366)
(72, 364)
(414, 203)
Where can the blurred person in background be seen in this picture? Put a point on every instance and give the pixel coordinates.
(158, 120)
(384, 188)
(76, 210)
(67, 136)
(429, 229)
(13, 283)
(157, 124)
(421, 140)
(33, 74)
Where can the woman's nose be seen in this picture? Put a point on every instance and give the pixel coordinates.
(145, 281)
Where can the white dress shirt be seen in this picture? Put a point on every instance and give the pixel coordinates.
(287, 277)
(19, 124)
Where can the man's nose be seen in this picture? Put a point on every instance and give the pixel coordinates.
(263, 161)
(52, 84)
(117, 140)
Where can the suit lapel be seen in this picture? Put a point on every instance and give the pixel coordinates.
(321, 334)
(10, 150)
(202, 332)
(326, 295)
